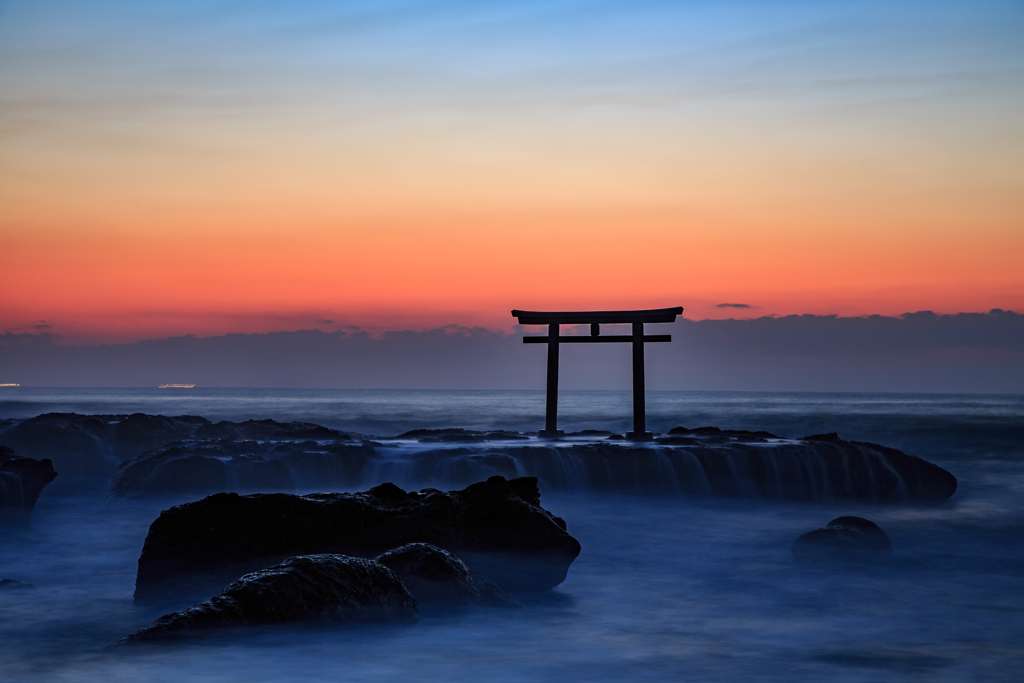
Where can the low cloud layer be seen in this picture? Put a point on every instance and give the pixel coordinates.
(919, 352)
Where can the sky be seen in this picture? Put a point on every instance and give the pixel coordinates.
(212, 168)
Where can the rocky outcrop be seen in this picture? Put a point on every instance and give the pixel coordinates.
(210, 466)
(311, 588)
(21, 481)
(728, 465)
(843, 539)
(496, 527)
(458, 435)
(89, 447)
(439, 579)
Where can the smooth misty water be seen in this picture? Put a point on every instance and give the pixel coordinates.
(666, 588)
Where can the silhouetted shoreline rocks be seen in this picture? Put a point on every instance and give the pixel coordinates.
(323, 588)
(846, 539)
(496, 527)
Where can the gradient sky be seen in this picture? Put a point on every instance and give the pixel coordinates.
(212, 167)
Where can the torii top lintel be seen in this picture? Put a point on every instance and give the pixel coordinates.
(651, 315)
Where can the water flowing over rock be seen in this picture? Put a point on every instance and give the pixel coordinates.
(87, 448)
(703, 462)
(496, 527)
(21, 482)
(203, 467)
(843, 539)
(312, 588)
(440, 579)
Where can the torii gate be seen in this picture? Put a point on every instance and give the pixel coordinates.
(595, 319)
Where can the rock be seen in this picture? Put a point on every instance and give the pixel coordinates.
(12, 584)
(740, 434)
(89, 447)
(844, 539)
(21, 482)
(214, 465)
(308, 588)
(438, 578)
(725, 466)
(458, 435)
(270, 430)
(499, 534)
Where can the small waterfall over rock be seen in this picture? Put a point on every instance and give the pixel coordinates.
(799, 470)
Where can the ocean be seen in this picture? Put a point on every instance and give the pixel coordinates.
(667, 587)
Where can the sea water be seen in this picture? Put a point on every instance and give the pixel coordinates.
(666, 587)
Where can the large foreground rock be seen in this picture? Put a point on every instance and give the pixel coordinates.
(843, 539)
(21, 481)
(439, 579)
(497, 527)
(326, 588)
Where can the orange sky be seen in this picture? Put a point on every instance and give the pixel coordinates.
(792, 177)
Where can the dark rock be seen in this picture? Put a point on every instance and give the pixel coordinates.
(831, 437)
(74, 442)
(500, 535)
(807, 470)
(309, 588)
(459, 435)
(271, 430)
(209, 466)
(440, 579)
(12, 584)
(21, 481)
(740, 434)
(844, 539)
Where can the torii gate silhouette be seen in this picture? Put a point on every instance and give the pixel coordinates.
(595, 319)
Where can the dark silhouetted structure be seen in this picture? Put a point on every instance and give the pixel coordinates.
(595, 319)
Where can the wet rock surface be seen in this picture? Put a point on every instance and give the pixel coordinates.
(313, 588)
(209, 466)
(496, 527)
(439, 579)
(89, 447)
(21, 482)
(161, 455)
(458, 435)
(843, 539)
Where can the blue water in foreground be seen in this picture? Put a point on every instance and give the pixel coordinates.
(665, 588)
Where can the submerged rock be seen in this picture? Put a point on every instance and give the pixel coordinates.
(309, 588)
(438, 578)
(13, 584)
(844, 539)
(21, 482)
(496, 527)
